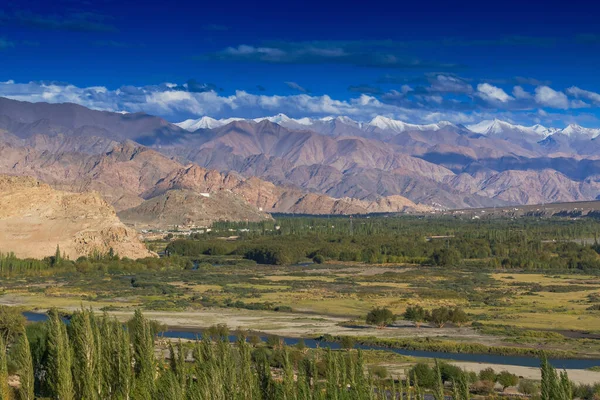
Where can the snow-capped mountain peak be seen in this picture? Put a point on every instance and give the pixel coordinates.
(494, 127)
(491, 127)
(276, 119)
(385, 123)
(346, 120)
(205, 123)
(574, 130)
(201, 123)
(500, 128)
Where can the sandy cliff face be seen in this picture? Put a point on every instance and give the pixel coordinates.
(34, 219)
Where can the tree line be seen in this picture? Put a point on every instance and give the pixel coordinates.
(518, 253)
(440, 316)
(96, 357)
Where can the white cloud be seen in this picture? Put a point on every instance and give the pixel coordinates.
(548, 97)
(405, 89)
(584, 94)
(449, 84)
(175, 103)
(493, 93)
(521, 93)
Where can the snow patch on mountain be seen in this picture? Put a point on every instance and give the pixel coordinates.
(497, 127)
(399, 126)
(578, 131)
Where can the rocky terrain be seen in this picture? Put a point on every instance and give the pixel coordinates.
(35, 219)
(380, 165)
(190, 209)
(150, 190)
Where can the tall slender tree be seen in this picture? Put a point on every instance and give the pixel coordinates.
(5, 389)
(59, 359)
(143, 356)
(438, 390)
(25, 367)
(85, 357)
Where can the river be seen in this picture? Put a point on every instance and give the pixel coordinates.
(570, 363)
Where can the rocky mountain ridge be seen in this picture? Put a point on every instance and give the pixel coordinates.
(35, 219)
(439, 165)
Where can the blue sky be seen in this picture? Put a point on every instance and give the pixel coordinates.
(527, 62)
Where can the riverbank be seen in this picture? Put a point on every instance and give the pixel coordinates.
(193, 332)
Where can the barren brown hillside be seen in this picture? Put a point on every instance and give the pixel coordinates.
(34, 219)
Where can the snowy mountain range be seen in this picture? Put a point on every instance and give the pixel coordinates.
(442, 164)
(492, 128)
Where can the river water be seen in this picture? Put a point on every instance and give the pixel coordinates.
(570, 363)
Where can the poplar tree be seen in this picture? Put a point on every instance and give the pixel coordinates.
(438, 390)
(58, 378)
(167, 387)
(566, 387)
(25, 367)
(143, 356)
(177, 363)
(288, 376)
(5, 389)
(248, 388)
(85, 357)
(553, 386)
(407, 385)
(461, 387)
(122, 362)
(57, 257)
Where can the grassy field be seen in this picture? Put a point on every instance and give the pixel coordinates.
(334, 299)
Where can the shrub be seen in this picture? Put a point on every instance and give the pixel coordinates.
(458, 316)
(218, 332)
(483, 387)
(424, 374)
(507, 379)
(415, 314)
(379, 371)
(440, 316)
(450, 373)
(528, 387)
(381, 317)
(488, 374)
(446, 258)
(347, 342)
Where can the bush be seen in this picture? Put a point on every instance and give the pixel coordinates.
(379, 371)
(415, 314)
(318, 259)
(440, 316)
(450, 373)
(507, 379)
(274, 255)
(381, 317)
(483, 387)
(347, 342)
(446, 258)
(458, 317)
(424, 374)
(218, 332)
(528, 387)
(488, 374)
